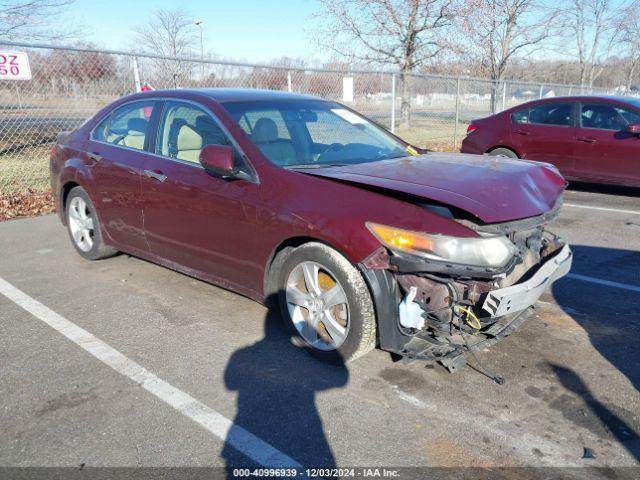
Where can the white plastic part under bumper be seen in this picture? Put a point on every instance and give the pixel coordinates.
(517, 297)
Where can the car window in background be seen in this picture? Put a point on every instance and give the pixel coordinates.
(558, 114)
(313, 133)
(607, 117)
(185, 130)
(126, 126)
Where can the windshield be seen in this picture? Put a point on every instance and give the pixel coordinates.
(313, 133)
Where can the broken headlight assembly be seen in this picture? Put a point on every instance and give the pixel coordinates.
(486, 251)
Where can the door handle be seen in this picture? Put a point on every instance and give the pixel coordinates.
(155, 175)
(94, 156)
(522, 132)
(587, 139)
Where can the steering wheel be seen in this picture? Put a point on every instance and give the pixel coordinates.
(334, 147)
(119, 138)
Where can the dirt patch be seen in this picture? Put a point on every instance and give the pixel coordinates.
(66, 400)
(404, 379)
(25, 204)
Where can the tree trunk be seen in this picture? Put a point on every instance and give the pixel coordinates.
(494, 96)
(405, 101)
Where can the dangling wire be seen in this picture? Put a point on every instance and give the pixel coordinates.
(471, 318)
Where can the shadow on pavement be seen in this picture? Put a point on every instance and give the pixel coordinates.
(610, 317)
(277, 385)
(614, 424)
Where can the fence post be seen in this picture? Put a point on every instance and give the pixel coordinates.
(136, 74)
(504, 96)
(541, 87)
(289, 82)
(455, 126)
(393, 103)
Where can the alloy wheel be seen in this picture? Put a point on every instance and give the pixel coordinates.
(318, 306)
(81, 224)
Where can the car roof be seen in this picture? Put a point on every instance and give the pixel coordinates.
(589, 98)
(223, 95)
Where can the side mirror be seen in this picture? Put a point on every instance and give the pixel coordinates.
(634, 128)
(218, 160)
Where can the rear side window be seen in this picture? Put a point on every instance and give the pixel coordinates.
(607, 117)
(558, 114)
(185, 130)
(127, 126)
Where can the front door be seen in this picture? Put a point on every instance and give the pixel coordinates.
(544, 133)
(117, 152)
(194, 221)
(605, 150)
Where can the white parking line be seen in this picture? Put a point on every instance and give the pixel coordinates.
(604, 209)
(212, 421)
(608, 283)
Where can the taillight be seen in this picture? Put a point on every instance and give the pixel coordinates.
(471, 128)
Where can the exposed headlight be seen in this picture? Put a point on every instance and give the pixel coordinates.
(494, 252)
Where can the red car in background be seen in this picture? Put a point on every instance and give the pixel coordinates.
(590, 139)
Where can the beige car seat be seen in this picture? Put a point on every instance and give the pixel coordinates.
(265, 136)
(189, 144)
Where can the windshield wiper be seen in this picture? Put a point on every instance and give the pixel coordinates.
(318, 165)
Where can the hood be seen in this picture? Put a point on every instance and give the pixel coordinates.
(493, 189)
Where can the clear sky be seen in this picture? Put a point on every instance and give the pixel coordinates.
(250, 30)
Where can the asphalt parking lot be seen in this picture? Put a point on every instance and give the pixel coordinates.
(572, 372)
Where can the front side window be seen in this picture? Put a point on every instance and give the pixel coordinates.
(126, 126)
(558, 114)
(185, 130)
(607, 117)
(313, 133)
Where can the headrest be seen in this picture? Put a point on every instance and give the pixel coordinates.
(210, 131)
(188, 139)
(265, 130)
(137, 125)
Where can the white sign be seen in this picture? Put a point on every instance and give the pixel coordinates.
(14, 66)
(347, 89)
(348, 116)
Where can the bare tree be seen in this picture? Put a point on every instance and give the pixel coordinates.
(169, 33)
(402, 33)
(593, 24)
(630, 40)
(34, 20)
(500, 30)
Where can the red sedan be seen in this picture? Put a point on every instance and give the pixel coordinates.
(589, 139)
(301, 202)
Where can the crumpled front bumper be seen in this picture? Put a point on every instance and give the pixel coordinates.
(520, 296)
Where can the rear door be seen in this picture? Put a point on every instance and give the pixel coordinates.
(193, 220)
(117, 150)
(545, 132)
(605, 151)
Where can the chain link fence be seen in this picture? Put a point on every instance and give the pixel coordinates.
(70, 84)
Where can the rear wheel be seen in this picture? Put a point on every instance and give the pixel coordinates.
(326, 304)
(503, 152)
(84, 227)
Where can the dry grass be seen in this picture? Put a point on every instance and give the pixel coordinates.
(25, 169)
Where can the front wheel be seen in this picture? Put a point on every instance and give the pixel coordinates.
(84, 226)
(326, 304)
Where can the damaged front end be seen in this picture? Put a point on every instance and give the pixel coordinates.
(436, 310)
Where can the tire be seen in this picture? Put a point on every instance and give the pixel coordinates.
(503, 152)
(84, 226)
(342, 332)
